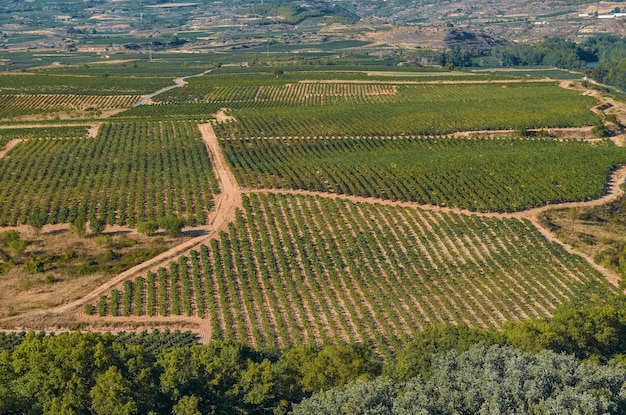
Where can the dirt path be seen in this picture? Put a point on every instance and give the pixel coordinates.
(178, 83)
(9, 146)
(606, 105)
(226, 204)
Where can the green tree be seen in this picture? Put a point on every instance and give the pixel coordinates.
(36, 221)
(97, 225)
(148, 227)
(187, 405)
(111, 394)
(329, 367)
(172, 225)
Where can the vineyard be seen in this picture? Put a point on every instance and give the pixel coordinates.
(416, 110)
(301, 93)
(52, 132)
(500, 175)
(300, 269)
(31, 83)
(294, 268)
(23, 104)
(132, 171)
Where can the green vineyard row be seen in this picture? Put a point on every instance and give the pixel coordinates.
(501, 175)
(419, 110)
(300, 269)
(21, 104)
(131, 172)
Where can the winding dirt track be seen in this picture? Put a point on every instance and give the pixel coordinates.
(226, 203)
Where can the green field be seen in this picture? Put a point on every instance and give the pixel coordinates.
(414, 110)
(130, 172)
(321, 268)
(295, 269)
(500, 175)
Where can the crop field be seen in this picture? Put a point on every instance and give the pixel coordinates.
(32, 83)
(334, 206)
(25, 104)
(130, 172)
(300, 269)
(500, 175)
(51, 132)
(415, 110)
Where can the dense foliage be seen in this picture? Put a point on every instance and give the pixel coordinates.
(608, 51)
(88, 373)
(131, 172)
(300, 269)
(494, 380)
(445, 369)
(501, 175)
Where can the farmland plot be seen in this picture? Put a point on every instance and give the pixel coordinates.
(25, 104)
(130, 172)
(500, 175)
(414, 110)
(299, 269)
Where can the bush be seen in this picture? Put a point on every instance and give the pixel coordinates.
(148, 227)
(79, 226)
(172, 225)
(34, 265)
(17, 245)
(36, 221)
(103, 240)
(90, 310)
(600, 131)
(97, 225)
(8, 236)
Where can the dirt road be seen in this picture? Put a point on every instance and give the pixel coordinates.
(226, 204)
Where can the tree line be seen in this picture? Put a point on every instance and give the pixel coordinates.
(573, 362)
(608, 51)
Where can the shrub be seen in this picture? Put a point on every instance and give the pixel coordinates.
(97, 225)
(34, 264)
(103, 240)
(8, 236)
(148, 227)
(36, 221)
(172, 225)
(79, 226)
(90, 309)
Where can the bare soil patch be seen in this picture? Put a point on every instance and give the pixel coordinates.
(221, 116)
(70, 269)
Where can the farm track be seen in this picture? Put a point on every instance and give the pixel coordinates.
(226, 203)
(9, 146)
